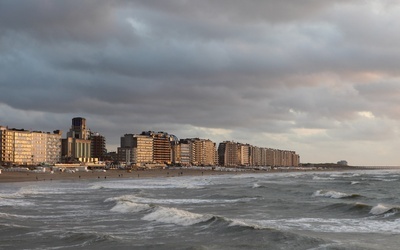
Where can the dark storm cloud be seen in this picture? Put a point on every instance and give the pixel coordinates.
(293, 71)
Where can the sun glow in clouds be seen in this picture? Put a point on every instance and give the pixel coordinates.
(366, 114)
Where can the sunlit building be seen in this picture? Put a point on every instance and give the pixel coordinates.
(136, 149)
(24, 147)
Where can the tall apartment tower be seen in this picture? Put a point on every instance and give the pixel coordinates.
(98, 146)
(76, 147)
(162, 147)
(202, 152)
(229, 154)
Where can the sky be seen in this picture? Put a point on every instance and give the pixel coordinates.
(317, 77)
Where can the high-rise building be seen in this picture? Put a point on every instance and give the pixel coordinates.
(244, 154)
(162, 148)
(24, 147)
(234, 154)
(228, 154)
(142, 150)
(78, 129)
(98, 146)
(196, 151)
(77, 145)
(136, 149)
(203, 152)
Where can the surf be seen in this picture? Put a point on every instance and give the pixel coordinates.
(334, 194)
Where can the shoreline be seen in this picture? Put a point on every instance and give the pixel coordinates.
(10, 177)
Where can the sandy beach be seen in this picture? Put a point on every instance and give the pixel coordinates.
(6, 176)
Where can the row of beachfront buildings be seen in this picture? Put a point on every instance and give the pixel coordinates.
(25, 147)
(160, 148)
(148, 149)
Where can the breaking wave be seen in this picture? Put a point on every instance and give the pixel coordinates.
(132, 204)
(334, 194)
(142, 200)
(387, 210)
(323, 178)
(176, 216)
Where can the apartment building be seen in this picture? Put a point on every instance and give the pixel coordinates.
(162, 146)
(232, 154)
(142, 150)
(244, 154)
(229, 154)
(98, 146)
(181, 152)
(24, 147)
(136, 149)
(201, 151)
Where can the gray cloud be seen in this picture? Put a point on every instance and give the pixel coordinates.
(304, 75)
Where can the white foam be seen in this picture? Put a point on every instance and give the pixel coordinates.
(14, 202)
(323, 178)
(176, 216)
(244, 223)
(355, 182)
(331, 194)
(7, 215)
(143, 200)
(334, 225)
(156, 183)
(129, 207)
(381, 209)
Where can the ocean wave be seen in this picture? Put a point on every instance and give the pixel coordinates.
(364, 209)
(132, 204)
(129, 207)
(143, 200)
(323, 178)
(41, 190)
(8, 215)
(256, 185)
(14, 203)
(176, 216)
(87, 238)
(334, 194)
(334, 225)
(244, 223)
(387, 210)
(166, 183)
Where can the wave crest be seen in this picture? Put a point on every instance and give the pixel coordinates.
(381, 209)
(176, 216)
(334, 194)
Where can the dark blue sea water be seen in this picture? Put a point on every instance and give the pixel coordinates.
(304, 210)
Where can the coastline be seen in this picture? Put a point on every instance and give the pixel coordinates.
(29, 176)
(9, 177)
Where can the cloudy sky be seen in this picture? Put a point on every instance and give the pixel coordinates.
(315, 76)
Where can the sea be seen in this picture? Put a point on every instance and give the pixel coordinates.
(287, 210)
